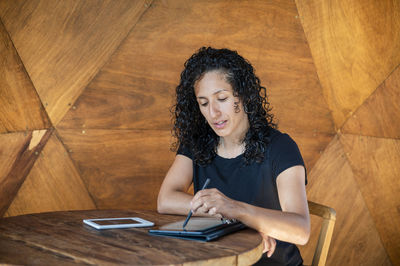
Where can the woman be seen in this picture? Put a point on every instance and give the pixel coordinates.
(225, 132)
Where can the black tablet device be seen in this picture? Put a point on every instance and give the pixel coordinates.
(198, 228)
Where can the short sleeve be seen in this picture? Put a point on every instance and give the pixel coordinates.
(284, 154)
(184, 150)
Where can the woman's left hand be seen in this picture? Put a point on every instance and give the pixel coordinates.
(269, 244)
(214, 203)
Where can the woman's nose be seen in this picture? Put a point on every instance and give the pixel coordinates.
(214, 110)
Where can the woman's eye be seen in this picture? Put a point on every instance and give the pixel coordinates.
(203, 104)
(223, 99)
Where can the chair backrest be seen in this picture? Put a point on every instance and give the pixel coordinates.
(324, 240)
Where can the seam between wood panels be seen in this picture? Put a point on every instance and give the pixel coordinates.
(300, 18)
(369, 96)
(147, 6)
(76, 168)
(42, 107)
(362, 195)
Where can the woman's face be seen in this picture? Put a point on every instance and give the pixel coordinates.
(217, 104)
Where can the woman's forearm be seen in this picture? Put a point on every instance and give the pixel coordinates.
(285, 226)
(175, 202)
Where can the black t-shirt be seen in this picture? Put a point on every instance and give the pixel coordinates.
(255, 183)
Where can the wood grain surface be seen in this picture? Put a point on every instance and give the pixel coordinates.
(379, 115)
(116, 100)
(53, 184)
(68, 45)
(63, 238)
(22, 162)
(378, 179)
(20, 107)
(355, 240)
(10, 145)
(121, 168)
(355, 46)
(105, 72)
(135, 88)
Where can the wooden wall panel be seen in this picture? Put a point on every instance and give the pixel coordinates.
(379, 116)
(53, 184)
(121, 168)
(10, 146)
(134, 89)
(22, 152)
(355, 45)
(376, 169)
(123, 102)
(68, 42)
(310, 145)
(20, 107)
(355, 238)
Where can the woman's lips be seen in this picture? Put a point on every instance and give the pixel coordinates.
(220, 124)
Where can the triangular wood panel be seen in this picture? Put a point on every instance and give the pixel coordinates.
(311, 145)
(19, 152)
(379, 116)
(133, 90)
(10, 146)
(20, 107)
(351, 60)
(53, 184)
(117, 100)
(121, 168)
(377, 174)
(332, 183)
(68, 44)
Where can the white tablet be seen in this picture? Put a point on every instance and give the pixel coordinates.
(110, 223)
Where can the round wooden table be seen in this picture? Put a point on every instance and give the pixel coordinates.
(61, 238)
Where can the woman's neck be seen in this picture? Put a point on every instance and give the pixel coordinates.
(230, 149)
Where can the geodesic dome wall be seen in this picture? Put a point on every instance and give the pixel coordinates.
(86, 86)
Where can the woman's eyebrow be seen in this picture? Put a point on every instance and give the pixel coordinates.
(218, 91)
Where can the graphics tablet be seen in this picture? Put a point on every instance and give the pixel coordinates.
(202, 229)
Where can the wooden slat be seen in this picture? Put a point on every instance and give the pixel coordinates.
(23, 160)
(134, 91)
(53, 184)
(121, 168)
(68, 42)
(20, 107)
(379, 115)
(355, 45)
(355, 238)
(375, 162)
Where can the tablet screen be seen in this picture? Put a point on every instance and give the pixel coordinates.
(194, 224)
(113, 222)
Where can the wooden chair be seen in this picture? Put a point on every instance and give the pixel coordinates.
(324, 240)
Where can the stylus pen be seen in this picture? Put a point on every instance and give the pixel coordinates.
(191, 213)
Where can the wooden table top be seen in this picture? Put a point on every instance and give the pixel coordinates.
(61, 238)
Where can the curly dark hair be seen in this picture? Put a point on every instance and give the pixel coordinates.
(190, 127)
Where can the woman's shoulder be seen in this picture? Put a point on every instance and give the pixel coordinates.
(274, 135)
(277, 139)
(184, 150)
